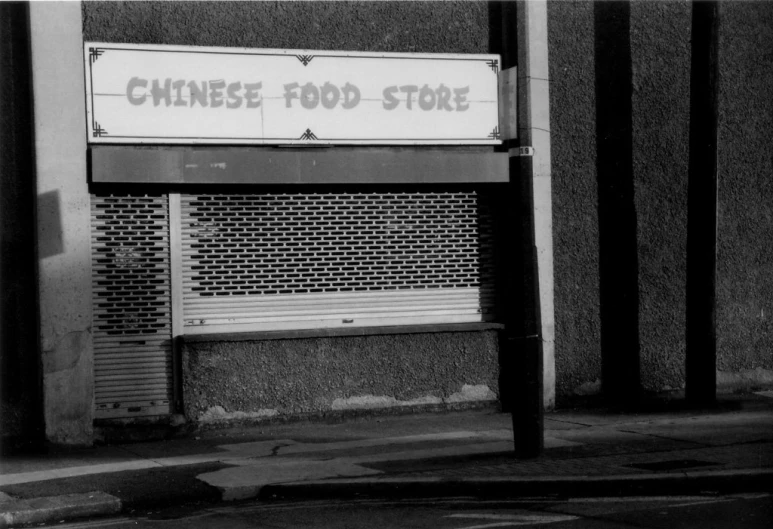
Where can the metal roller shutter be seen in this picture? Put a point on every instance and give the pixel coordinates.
(318, 260)
(132, 305)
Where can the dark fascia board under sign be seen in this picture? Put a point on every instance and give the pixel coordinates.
(239, 165)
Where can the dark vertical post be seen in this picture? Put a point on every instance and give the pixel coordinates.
(21, 393)
(524, 341)
(618, 251)
(701, 356)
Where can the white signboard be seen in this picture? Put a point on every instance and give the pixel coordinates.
(180, 94)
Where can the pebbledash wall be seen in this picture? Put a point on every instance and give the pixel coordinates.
(603, 201)
(619, 81)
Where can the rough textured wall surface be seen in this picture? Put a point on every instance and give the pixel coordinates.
(255, 379)
(19, 372)
(659, 42)
(660, 66)
(660, 50)
(63, 218)
(447, 27)
(575, 198)
(745, 255)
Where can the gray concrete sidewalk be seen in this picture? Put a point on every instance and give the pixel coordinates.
(462, 453)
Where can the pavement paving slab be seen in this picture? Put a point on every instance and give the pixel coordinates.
(667, 451)
(712, 430)
(49, 508)
(245, 482)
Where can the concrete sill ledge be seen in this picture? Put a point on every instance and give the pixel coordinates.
(324, 333)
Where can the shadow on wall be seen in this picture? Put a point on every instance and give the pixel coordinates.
(50, 241)
(618, 264)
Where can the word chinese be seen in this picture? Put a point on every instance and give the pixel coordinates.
(205, 93)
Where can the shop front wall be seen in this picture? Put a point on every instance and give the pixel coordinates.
(222, 378)
(395, 369)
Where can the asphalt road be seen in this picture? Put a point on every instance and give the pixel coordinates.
(740, 511)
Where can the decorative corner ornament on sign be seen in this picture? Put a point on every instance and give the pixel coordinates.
(308, 135)
(94, 54)
(98, 131)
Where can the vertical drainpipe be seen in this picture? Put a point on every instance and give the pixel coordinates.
(62, 221)
(530, 324)
(534, 131)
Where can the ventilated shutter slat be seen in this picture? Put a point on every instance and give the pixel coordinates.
(128, 359)
(274, 261)
(132, 305)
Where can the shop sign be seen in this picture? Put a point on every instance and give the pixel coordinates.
(185, 95)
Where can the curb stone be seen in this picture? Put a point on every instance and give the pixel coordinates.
(682, 483)
(54, 508)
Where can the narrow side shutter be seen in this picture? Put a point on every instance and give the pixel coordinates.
(319, 260)
(132, 305)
